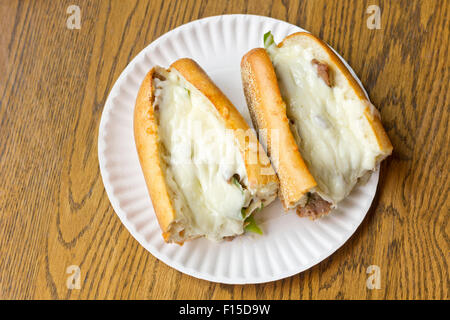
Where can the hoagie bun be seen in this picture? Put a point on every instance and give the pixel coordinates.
(204, 169)
(332, 135)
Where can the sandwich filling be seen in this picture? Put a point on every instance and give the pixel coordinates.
(327, 121)
(204, 168)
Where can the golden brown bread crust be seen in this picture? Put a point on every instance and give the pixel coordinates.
(149, 149)
(374, 120)
(268, 111)
(146, 138)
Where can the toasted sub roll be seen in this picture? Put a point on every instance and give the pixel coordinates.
(329, 135)
(204, 169)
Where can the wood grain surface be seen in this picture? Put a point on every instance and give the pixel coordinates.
(54, 211)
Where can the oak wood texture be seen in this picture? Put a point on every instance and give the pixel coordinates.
(54, 211)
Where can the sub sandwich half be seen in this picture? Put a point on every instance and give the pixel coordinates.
(323, 134)
(203, 167)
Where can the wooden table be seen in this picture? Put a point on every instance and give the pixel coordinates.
(54, 211)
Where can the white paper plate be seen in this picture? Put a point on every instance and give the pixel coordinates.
(290, 244)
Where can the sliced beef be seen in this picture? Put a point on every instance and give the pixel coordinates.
(229, 238)
(315, 207)
(323, 71)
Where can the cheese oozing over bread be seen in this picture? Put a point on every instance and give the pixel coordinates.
(204, 168)
(334, 137)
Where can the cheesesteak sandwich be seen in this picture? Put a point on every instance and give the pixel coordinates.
(330, 136)
(202, 174)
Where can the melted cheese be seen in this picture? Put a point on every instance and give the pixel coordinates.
(201, 157)
(333, 135)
